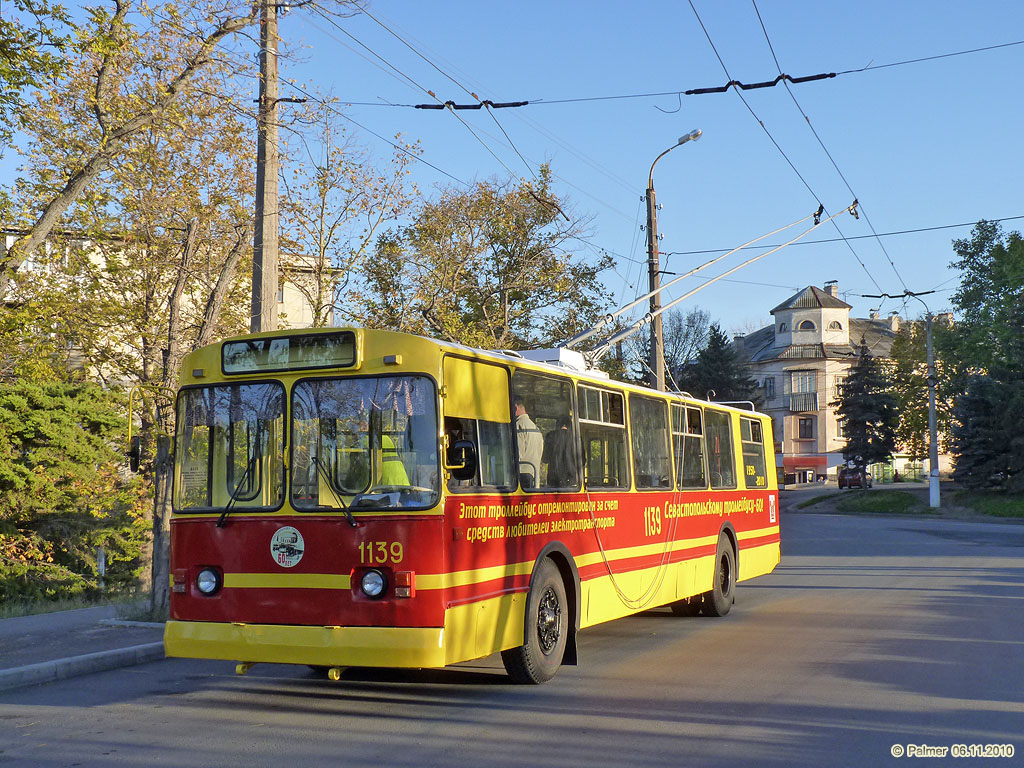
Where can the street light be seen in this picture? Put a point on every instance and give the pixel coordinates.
(933, 438)
(657, 353)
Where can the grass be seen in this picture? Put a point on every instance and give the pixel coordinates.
(881, 501)
(992, 503)
(875, 502)
(32, 607)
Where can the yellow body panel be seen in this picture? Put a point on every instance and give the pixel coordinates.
(471, 631)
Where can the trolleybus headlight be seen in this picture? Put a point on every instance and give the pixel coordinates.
(208, 581)
(373, 583)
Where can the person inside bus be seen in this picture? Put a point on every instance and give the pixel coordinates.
(392, 470)
(531, 446)
(558, 455)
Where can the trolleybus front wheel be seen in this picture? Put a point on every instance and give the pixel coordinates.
(547, 628)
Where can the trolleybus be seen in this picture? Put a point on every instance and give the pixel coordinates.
(354, 497)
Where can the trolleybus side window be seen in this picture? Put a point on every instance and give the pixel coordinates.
(231, 447)
(688, 440)
(721, 461)
(603, 437)
(493, 441)
(368, 442)
(545, 432)
(648, 420)
(753, 453)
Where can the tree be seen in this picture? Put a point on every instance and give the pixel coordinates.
(489, 267)
(33, 35)
(718, 367)
(141, 63)
(988, 434)
(907, 371)
(331, 213)
(685, 335)
(867, 410)
(62, 494)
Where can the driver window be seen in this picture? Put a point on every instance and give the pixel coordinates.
(493, 441)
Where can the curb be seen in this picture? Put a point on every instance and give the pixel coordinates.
(61, 669)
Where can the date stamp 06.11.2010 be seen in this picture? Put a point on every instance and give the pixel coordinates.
(952, 750)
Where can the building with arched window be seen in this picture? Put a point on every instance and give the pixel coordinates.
(800, 361)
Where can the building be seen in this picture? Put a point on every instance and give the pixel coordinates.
(799, 362)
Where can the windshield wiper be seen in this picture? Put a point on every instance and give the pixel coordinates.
(236, 494)
(335, 490)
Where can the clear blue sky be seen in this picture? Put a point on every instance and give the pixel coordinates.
(921, 145)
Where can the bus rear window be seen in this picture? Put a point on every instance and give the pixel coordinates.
(289, 353)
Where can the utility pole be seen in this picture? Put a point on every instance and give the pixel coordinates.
(933, 439)
(933, 433)
(656, 359)
(265, 239)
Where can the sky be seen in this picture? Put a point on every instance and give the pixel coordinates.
(919, 145)
(922, 145)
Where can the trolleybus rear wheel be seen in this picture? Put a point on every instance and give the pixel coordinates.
(719, 600)
(547, 627)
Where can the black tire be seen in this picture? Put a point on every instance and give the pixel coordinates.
(547, 629)
(719, 600)
(688, 606)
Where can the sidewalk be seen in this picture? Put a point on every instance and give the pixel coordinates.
(54, 646)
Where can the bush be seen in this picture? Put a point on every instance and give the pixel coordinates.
(63, 492)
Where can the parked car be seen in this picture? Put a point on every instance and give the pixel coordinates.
(854, 477)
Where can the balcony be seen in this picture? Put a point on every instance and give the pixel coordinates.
(802, 402)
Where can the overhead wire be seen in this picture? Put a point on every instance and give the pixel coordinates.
(828, 154)
(779, 148)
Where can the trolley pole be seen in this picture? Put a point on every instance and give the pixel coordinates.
(265, 240)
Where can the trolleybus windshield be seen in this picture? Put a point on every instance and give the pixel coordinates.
(230, 448)
(366, 443)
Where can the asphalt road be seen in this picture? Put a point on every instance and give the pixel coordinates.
(873, 632)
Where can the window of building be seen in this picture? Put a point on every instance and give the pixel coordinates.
(841, 428)
(802, 381)
(769, 387)
(807, 325)
(806, 427)
(835, 325)
(782, 327)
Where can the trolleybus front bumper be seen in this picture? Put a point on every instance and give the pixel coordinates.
(317, 646)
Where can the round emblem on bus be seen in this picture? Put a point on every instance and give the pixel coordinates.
(286, 546)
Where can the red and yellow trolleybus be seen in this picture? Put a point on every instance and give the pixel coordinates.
(352, 497)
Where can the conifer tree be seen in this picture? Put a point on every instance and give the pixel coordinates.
(868, 412)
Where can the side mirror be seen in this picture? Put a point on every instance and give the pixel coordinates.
(135, 453)
(461, 460)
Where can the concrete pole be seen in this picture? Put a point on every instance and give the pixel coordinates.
(657, 353)
(265, 239)
(933, 436)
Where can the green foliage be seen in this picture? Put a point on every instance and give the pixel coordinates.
(62, 494)
(908, 373)
(995, 503)
(867, 409)
(492, 266)
(32, 38)
(720, 368)
(988, 437)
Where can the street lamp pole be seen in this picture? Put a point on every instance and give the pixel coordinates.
(933, 435)
(656, 358)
